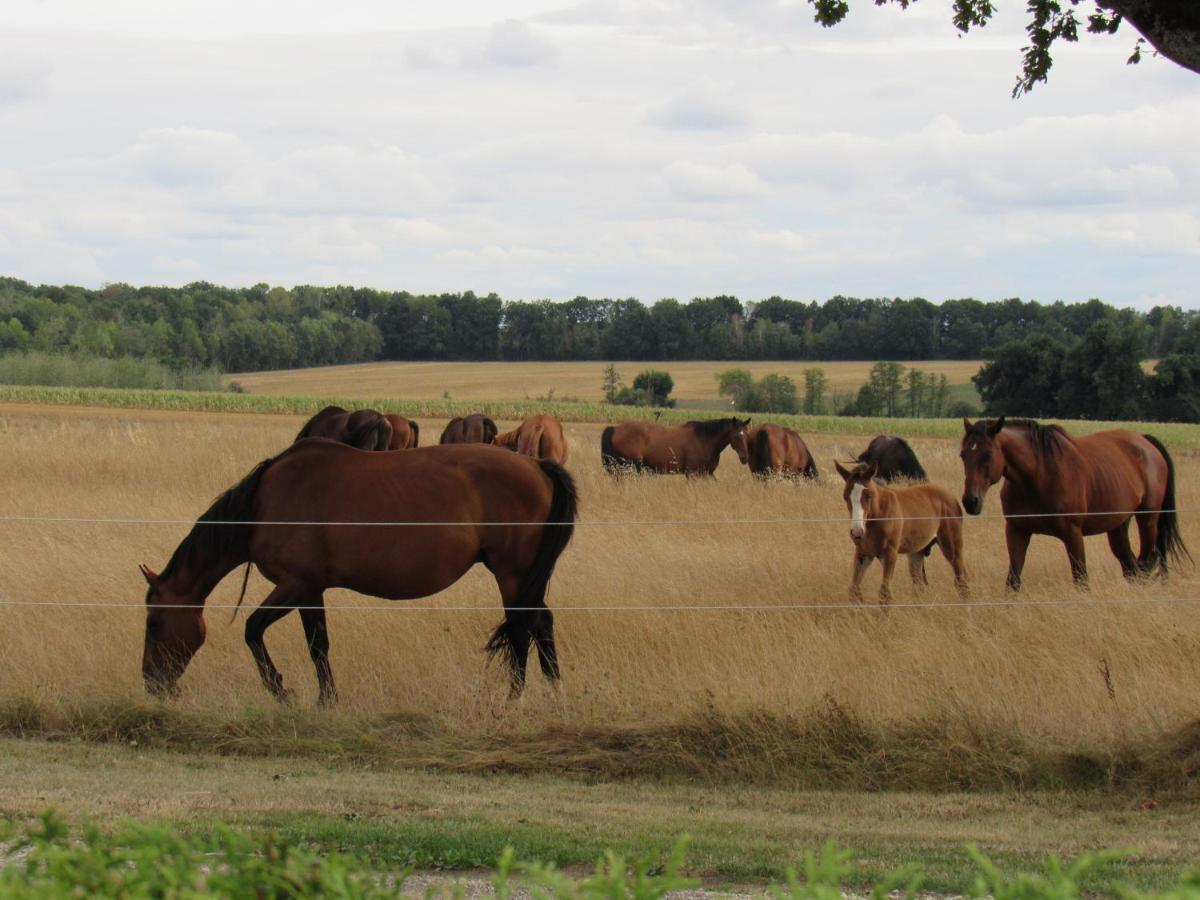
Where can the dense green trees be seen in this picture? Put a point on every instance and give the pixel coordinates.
(202, 324)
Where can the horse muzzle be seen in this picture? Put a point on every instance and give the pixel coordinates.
(856, 534)
(973, 504)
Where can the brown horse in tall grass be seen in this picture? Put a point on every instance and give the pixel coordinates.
(887, 521)
(365, 429)
(1070, 487)
(511, 513)
(540, 436)
(771, 449)
(691, 449)
(472, 429)
(894, 458)
(406, 433)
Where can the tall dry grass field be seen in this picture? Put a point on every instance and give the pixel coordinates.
(931, 694)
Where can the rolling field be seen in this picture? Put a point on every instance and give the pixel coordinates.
(664, 675)
(694, 381)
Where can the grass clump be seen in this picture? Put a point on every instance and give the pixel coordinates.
(38, 368)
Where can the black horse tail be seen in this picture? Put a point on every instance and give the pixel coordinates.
(608, 453)
(489, 430)
(762, 453)
(911, 466)
(1170, 541)
(532, 618)
(416, 432)
(810, 470)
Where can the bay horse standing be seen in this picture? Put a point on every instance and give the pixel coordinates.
(894, 459)
(1070, 487)
(365, 429)
(512, 513)
(887, 521)
(406, 433)
(693, 448)
(540, 436)
(472, 429)
(771, 449)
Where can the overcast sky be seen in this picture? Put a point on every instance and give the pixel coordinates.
(612, 148)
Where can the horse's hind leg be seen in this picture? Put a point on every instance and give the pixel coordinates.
(512, 637)
(1147, 525)
(1118, 542)
(916, 568)
(277, 605)
(316, 635)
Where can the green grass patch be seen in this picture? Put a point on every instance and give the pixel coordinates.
(318, 858)
(1174, 435)
(40, 369)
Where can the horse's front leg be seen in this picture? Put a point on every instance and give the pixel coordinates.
(1017, 540)
(861, 563)
(278, 604)
(889, 567)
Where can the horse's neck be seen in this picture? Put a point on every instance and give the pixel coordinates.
(197, 580)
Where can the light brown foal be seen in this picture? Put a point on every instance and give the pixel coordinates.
(887, 521)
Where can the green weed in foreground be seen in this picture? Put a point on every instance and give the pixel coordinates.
(51, 860)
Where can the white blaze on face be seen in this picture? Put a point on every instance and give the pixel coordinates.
(856, 510)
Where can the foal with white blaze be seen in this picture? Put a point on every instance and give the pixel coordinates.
(887, 521)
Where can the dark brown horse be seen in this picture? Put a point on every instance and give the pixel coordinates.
(540, 436)
(771, 449)
(1069, 487)
(473, 429)
(692, 449)
(461, 489)
(893, 459)
(406, 433)
(365, 429)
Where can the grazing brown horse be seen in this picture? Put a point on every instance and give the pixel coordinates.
(460, 491)
(539, 436)
(1072, 486)
(774, 450)
(894, 459)
(692, 449)
(887, 521)
(365, 429)
(474, 429)
(406, 434)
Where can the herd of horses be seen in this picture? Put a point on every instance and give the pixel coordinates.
(402, 525)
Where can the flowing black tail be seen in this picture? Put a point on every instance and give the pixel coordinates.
(762, 454)
(1170, 541)
(608, 453)
(810, 470)
(416, 433)
(531, 618)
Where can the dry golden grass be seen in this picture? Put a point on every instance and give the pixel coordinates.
(931, 696)
(506, 380)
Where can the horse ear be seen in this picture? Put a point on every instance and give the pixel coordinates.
(746, 424)
(995, 428)
(149, 574)
(966, 425)
(841, 470)
(872, 471)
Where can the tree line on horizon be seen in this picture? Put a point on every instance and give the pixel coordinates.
(264, 327)
(1056, 359)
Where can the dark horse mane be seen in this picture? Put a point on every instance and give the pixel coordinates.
(1047, 440)
(709, 427)
(207, 540)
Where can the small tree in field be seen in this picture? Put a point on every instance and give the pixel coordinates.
(814, 392)
(611, 384)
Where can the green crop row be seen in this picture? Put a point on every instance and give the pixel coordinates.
(1174, 435)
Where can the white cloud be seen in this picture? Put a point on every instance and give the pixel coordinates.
(621, 148)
